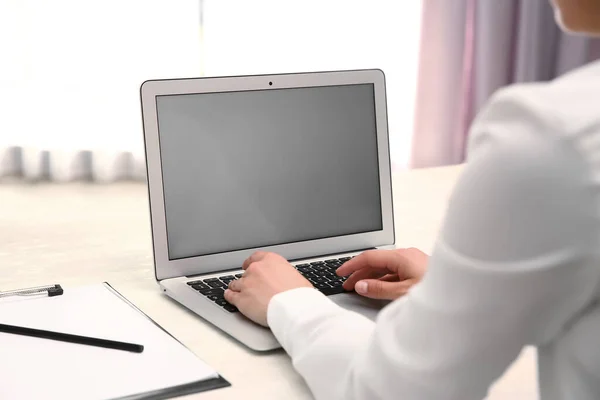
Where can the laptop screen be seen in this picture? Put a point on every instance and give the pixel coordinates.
(251, 169)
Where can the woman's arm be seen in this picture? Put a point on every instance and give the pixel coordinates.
(511, 267)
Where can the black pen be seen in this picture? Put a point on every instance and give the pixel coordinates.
(66, 337)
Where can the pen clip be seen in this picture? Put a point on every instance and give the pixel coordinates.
(50, 290)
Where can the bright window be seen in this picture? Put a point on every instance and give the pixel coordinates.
(71, 69)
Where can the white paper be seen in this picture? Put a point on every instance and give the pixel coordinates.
(32, 368)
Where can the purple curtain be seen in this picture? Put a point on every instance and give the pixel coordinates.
(469, 49)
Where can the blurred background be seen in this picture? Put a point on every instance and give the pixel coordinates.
(70, 70)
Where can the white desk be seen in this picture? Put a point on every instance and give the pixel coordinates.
(78, 234)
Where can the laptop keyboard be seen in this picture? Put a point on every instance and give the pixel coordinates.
(320, 273)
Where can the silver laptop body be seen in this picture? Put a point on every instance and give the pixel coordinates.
(297, 164)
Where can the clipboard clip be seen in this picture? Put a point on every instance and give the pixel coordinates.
(49, 290)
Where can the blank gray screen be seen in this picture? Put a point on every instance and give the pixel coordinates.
(250, 169)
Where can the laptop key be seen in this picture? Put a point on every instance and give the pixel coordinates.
(194, 282)
(200, 286)
(302, 266)
(228, 277)
(210, 292)
(238, 275)
(344, 259)
(217, 284)
(331, 291)
(214, 297)
(222, 302)
(230, 308)
(208, 280)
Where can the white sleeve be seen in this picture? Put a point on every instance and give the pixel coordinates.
(509, 269)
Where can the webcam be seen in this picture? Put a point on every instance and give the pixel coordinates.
(270, 83)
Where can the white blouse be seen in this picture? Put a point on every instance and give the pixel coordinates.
(516, 263)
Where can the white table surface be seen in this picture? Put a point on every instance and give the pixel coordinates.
(76, 234)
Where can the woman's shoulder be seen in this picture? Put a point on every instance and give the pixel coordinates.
(567, 106)
(563, 115)
(530, 167)
(590, 71)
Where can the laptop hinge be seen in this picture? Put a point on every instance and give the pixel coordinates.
(332, 254)
(293, 260)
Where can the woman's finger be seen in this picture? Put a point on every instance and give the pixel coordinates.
(378, 259)
(390, 278)
(256, 256)
(366, 273)
(231, 297)
(378, 289)
(391, 261)
(237, 285)
(355, 277)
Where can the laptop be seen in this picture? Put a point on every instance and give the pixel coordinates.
(296, 164)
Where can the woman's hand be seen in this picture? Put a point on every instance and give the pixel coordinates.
(384, 274)
(266, 274)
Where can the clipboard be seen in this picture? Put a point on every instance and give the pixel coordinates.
(34, 312)
(175, 391)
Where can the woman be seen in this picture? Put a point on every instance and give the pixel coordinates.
(517, 263)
